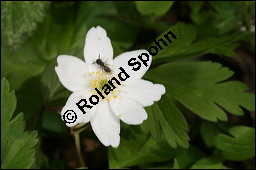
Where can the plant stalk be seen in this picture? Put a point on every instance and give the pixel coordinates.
(75, 131)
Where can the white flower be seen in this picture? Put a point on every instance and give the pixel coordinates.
(125, 102)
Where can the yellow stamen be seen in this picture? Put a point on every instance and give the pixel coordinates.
(99, 80)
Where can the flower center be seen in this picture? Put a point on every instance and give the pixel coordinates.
(102, 81)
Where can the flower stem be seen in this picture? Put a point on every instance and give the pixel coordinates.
(75, 131)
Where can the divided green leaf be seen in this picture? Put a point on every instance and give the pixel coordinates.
(199, 86)
(187, 157)
(186, 45)
(166, 121)
(17, 150)
(139, 149)
(239, 146)
(209, 131)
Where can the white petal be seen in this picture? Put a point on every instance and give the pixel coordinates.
(128, 110)
(143, 91)
(72, 72)
(106, 125)
(71, 109)
(97, 44)
(122, 61)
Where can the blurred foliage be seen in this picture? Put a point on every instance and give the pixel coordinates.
(17, 23)
(159, 9)
(33, 34)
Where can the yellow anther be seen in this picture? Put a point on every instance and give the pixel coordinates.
(98, 72)
(98, 80)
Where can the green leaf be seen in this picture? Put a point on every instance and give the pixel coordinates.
(29, 100)
(187, 157)
(16, 144)
(185, 46)
(51, 87)
(50, 84)
(176, 164)
(52, 121)
(82, 168)
(139, 149)
(157, 8)
(227, 9)
(240, 146)
(19, 19)
(185, 35)
(167, 121)
(209, 163)
(21, 66)
(195, 6)
(208, 132)
(197, 85)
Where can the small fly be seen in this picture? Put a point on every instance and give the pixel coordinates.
(102, 65)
